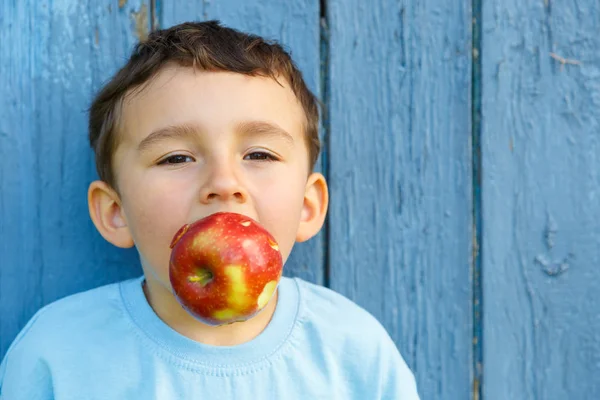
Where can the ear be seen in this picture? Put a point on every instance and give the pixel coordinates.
(106, 213)
(314, 210)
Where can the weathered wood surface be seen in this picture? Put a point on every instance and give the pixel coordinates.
(53, 56)
(541, 199)
(400, 173)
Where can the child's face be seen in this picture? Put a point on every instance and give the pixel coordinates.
(195, 143)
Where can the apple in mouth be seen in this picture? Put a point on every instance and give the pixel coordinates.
(224, 268)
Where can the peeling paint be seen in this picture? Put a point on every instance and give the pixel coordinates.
(550, 232)
(554, 268)
(122, 3)
(205, 5)
(476, 389)
(154, 16)
(141, 22)
(564, 61)
(550, 265)
(475, 250)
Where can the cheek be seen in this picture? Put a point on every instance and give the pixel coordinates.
(155, 213)
(280, 213)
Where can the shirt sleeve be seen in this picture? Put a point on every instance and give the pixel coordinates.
(24, 375)
(396, 379)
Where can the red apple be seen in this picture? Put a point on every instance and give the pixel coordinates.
(224, 268)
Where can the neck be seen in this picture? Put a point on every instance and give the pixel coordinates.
(167, 308)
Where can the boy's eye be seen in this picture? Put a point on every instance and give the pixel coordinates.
(176, 159)
(260, 156)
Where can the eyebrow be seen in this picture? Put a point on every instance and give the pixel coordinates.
(182, 131)
(263, 128)
(190, 131)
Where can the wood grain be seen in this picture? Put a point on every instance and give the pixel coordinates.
(541, 188)
(400, 172)
(54, 56)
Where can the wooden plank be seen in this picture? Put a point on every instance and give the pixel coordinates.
(295, 24)
(54, 55)
(541, 192)
(400, 172)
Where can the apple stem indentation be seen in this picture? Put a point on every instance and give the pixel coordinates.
(203, 277)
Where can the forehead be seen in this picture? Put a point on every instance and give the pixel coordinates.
(213, 100)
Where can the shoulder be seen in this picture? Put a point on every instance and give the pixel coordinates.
(77, 310)
(332, 310)
(347, 330)
(68, 320)
(60, 339)
(342, 332)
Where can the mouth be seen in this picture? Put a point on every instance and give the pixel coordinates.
(246, 215)
(185, 227)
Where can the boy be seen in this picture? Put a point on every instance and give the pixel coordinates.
(203, 119)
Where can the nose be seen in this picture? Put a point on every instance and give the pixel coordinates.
(223, 184)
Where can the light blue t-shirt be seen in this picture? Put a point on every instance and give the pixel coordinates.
(108, 343)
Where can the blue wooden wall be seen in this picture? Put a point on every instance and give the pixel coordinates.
(462, 147)
(540, 153)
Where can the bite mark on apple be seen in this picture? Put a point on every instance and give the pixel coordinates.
(266, 294)
(179, 234)
(273, 245)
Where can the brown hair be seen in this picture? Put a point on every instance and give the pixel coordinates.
(207, 46)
